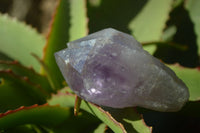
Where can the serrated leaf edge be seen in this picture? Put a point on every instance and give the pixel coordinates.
(98, 107)
(50, 31)
(15, 20)
(24, 79)
(20, 65)
(21, 108)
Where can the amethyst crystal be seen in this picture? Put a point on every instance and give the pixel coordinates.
(110, 68)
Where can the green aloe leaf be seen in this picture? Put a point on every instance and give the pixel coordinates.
(23, 71)
(56, 40)
(191, 77)
(101, 128)
(23, 120)
(194, 12)
(16, 91)
(40, 115)
(68, 100)
(150, 48)
(149, 23)
(137, 123)
(69, 23)
(5, 57)
(18, 41)
(78, 21)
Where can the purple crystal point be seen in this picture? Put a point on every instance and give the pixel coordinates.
(110, 68)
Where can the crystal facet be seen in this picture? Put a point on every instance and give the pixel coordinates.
(110, 68)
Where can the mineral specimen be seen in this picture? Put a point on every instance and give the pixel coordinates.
(110, 68)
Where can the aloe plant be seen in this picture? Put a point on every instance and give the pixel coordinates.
(34, 96)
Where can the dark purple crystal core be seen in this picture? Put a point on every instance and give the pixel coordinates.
(110, 68)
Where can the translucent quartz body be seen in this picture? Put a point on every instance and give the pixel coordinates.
(110, 68)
